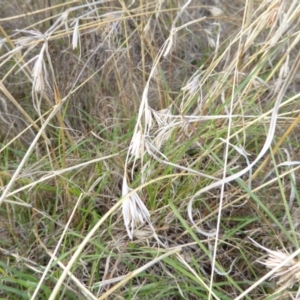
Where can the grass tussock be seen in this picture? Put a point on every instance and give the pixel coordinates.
(149, 149)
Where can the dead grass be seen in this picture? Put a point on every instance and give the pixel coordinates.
(143, 143)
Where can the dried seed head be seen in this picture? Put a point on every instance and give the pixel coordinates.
(288, 274)
(134, 210)
(215, 11)
(276, 7)
(39, 71)
(75, 37)
(137, 145)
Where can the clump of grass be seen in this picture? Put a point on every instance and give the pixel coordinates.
(142, 143)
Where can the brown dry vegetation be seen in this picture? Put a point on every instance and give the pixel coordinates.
(170, 98)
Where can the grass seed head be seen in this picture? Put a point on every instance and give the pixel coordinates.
(134, 210)
(288, 274)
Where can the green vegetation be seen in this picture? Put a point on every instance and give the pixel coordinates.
(149, 149)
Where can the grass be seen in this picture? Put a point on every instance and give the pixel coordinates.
(149, 149)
